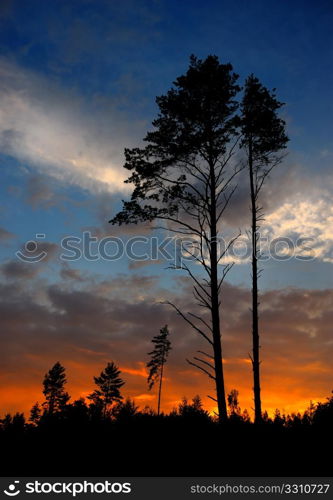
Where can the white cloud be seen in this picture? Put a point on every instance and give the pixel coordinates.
(306, 215)
(60, 133)
(309, 216)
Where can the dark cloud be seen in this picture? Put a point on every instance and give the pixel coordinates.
(87, 325)
(16, 270)
(33, 258)
(39, 192)
(68, 273)
(5, 235)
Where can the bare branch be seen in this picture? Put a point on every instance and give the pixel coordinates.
(200, 319)
(231, 242)
(188, 321)
(200, 298)
(205, 354)
(202, 287)
(181, 223)
(200, 368)
(225, 271)
(214, 399)
(204, 362)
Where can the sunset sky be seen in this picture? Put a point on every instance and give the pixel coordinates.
(78, 82)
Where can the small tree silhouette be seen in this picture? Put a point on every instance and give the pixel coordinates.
(13, 424)
(279, 420)
(35, 414)
(6, 422)
(233, 402)
(158, 359)
(109, 384)
(193, 410)
(55, 394)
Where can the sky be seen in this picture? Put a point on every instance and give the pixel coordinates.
(78, 82)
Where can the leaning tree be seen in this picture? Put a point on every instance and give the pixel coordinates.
(158, 358)
(184, 176)
(263, 139)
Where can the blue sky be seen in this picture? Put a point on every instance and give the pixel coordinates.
(86, 58)
(78, 81)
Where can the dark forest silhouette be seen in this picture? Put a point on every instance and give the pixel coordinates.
(62, 437)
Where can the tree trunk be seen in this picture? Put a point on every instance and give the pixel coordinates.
(160, 387)
(215, 305)
(255, 303)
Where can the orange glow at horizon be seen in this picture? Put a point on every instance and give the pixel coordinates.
(277, 391)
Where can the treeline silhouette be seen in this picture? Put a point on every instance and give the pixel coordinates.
(107, 435)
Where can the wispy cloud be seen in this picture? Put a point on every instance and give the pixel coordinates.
(59, 132)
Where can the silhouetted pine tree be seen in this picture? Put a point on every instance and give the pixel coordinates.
(109, 384)
(184, 176)
(158, 359)
(6, 422)
(54, 390)
(279, 420)
(263, 138)
(35, 414)
(233, 403)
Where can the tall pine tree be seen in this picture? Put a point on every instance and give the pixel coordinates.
(56, 397)
(184, 176)
(263, 138)
(158, 359)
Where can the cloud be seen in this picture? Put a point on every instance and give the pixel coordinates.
(18, 270)
(88, 325)
(81, 142)
(286, 181)
(5, 235)
(104, 206)
(294, 205)
(308, 217)
(61, 133)
(68, 273)
(30, 265)
(40, 192)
